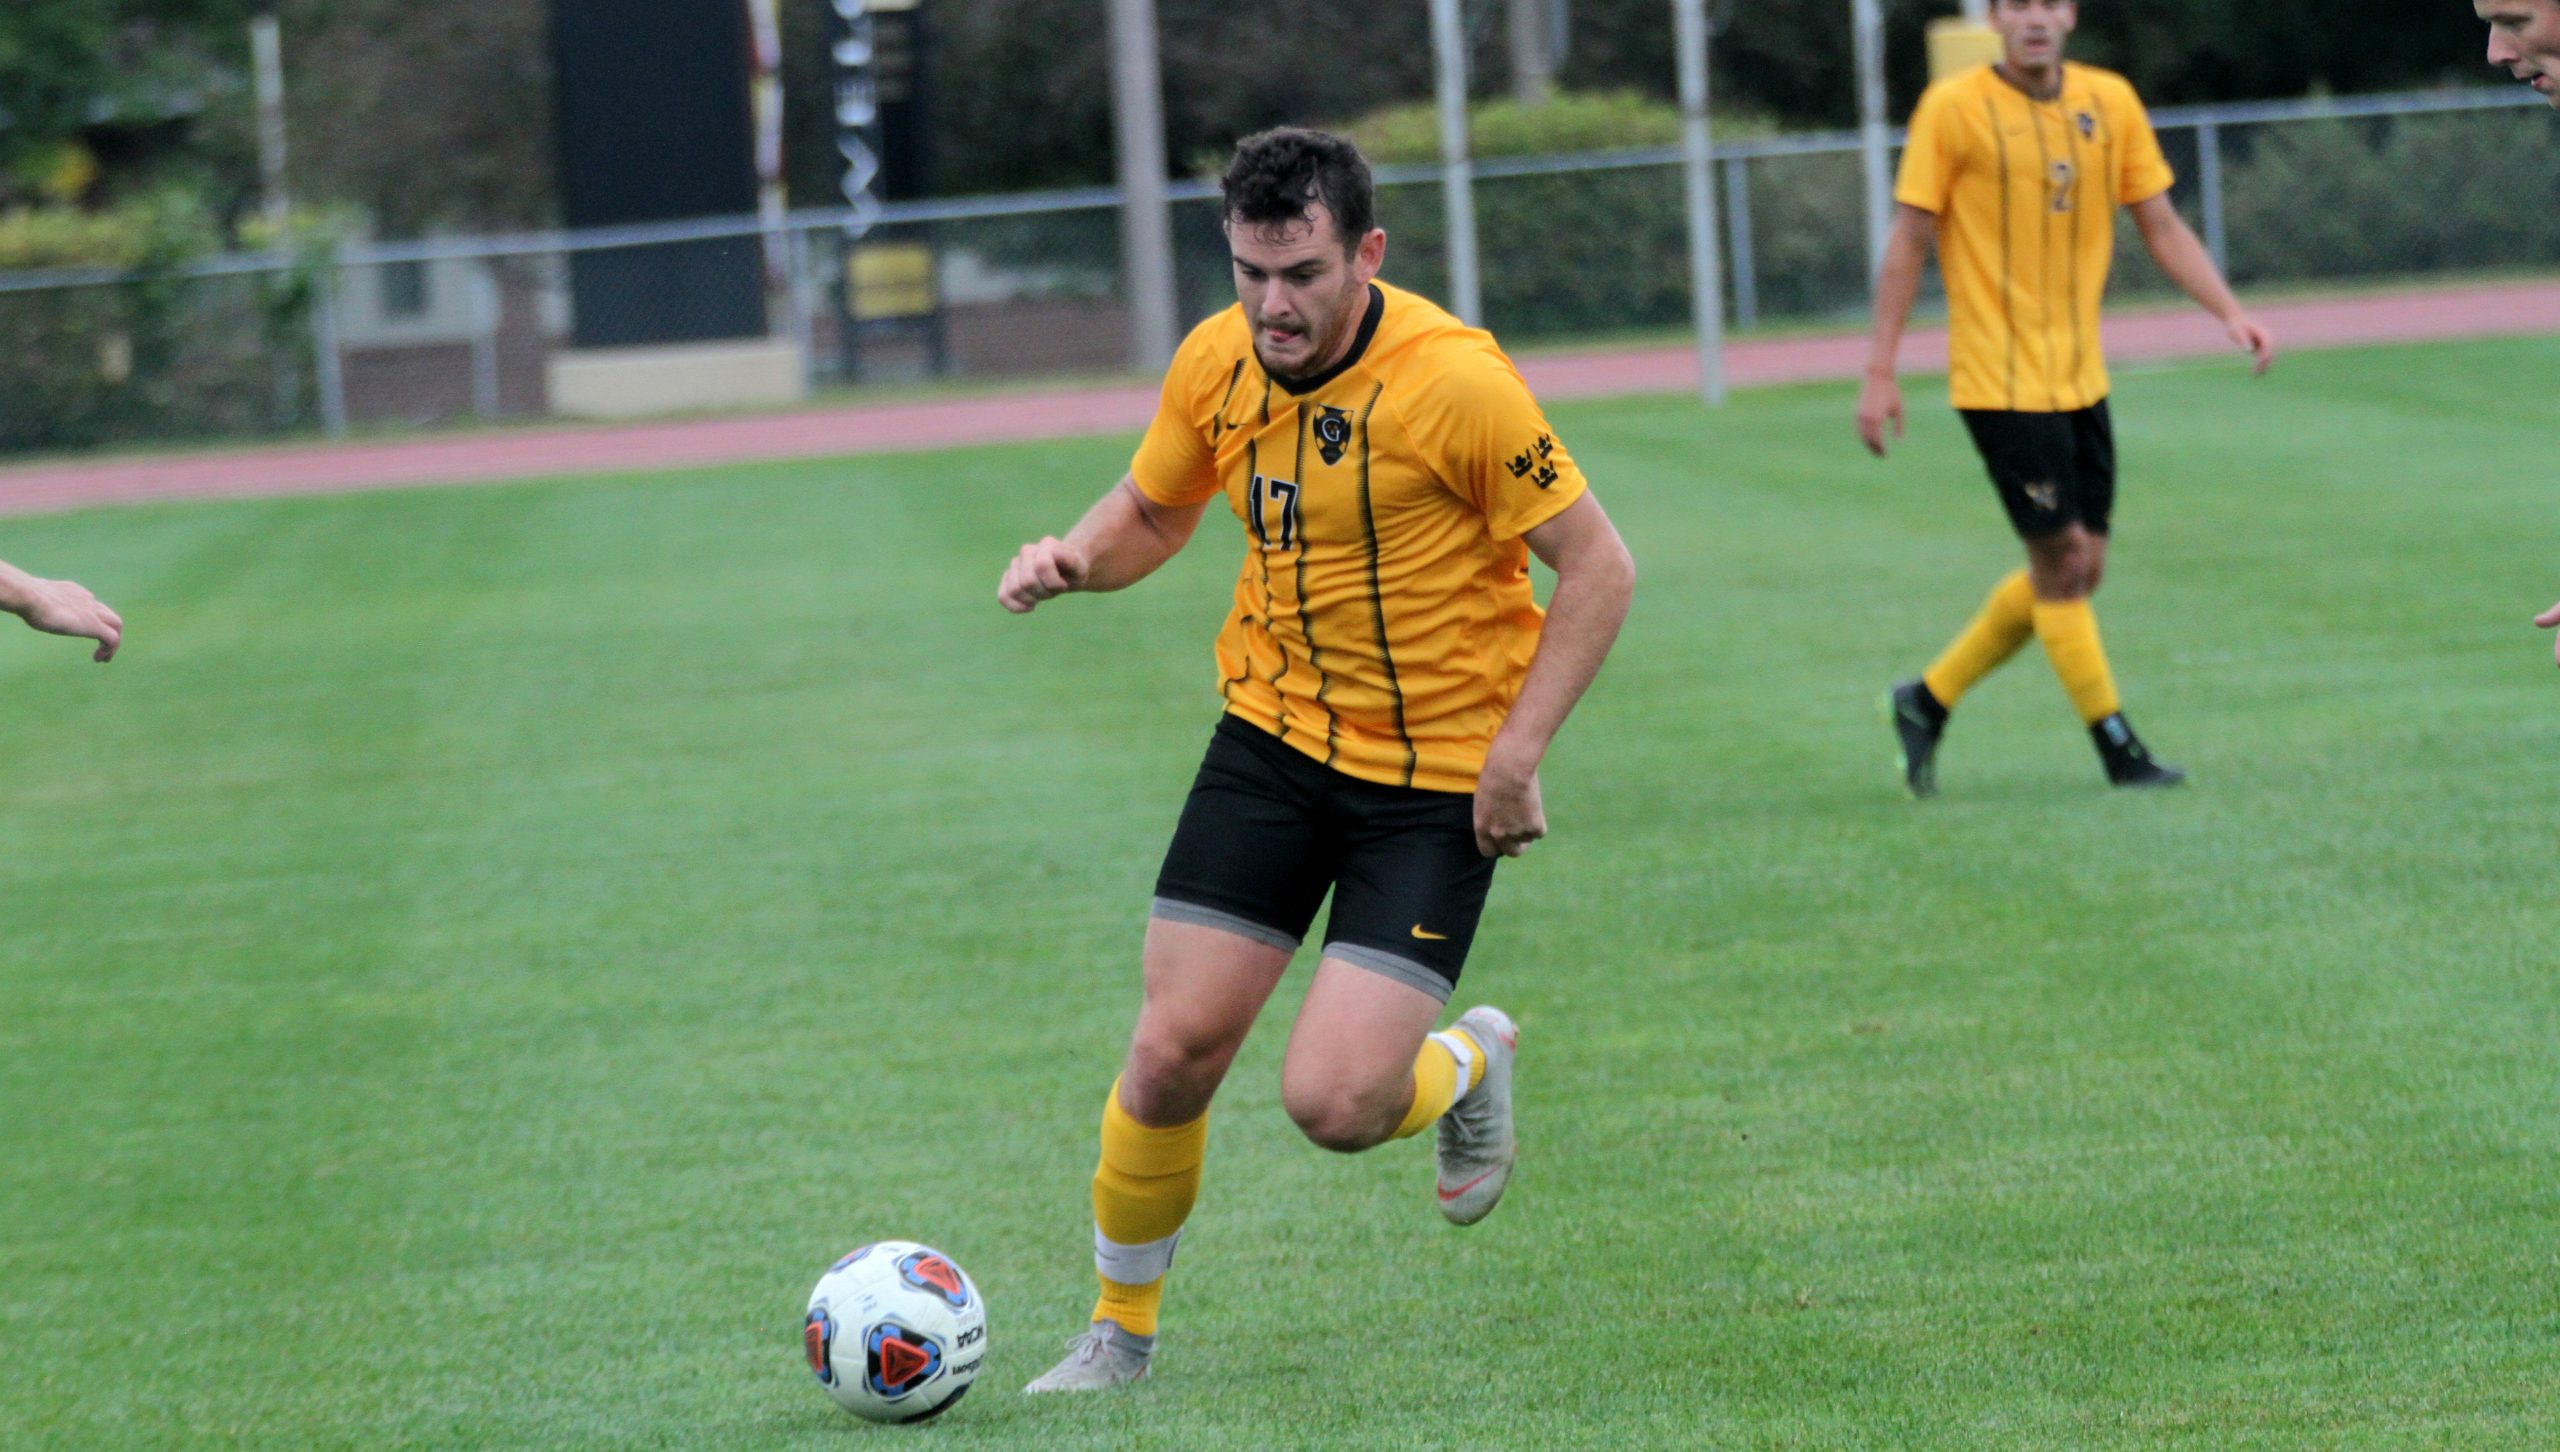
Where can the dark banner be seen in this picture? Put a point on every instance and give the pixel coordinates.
(651, 105)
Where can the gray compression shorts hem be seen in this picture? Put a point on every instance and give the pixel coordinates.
(1401, 969)
(1174, 910)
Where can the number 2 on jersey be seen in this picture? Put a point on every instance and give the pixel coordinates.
(1279, 533)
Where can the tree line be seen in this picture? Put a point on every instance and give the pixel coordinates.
(437, 112)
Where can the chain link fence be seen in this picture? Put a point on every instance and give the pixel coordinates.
(1581, 248)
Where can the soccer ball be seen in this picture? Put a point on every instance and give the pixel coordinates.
(896, 1332)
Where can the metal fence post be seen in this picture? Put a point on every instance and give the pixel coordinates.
(1706, 270)
(1458, 177)
(1737, 223)
(325, 363)
(1146, 221)
(2209, 182)
(1875, 160)
(802, 302)
(484, 340)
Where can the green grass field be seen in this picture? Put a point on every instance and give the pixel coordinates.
(479, 954)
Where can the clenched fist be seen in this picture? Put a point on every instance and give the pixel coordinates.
(1043, 570)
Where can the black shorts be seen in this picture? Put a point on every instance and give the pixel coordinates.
(2053, 470)
(1267, 831)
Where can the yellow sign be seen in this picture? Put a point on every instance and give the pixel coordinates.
(890, 280)
(1957, 45)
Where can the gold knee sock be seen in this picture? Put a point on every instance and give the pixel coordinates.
(1142, 1192)
(2005, 622)
(1450, 1064)
(2069, 630)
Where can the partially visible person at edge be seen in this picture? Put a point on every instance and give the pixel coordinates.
(2524, 41)
(61, 607)
(2017, 169)
(1390, 685)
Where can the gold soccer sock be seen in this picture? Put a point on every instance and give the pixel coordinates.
(2069, 630)
(1142, 1192)
(1450, 1064)
(2006, 620)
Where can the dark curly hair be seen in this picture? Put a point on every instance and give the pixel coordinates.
(1278, 175)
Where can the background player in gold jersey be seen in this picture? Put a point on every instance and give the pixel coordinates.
(2524, 41)
(2018, 168)
(1390, 686)
(61, 607)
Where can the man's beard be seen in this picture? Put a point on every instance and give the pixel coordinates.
(1318, 346)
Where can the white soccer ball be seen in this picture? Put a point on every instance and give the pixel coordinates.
(896, 1331)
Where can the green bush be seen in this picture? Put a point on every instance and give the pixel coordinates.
(1558, 255)
(1602, 251)
(2314, 200)
(1569, 121)
(1809, 236)
(154, 355)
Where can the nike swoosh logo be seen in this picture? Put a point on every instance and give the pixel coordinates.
(1429, 937)
(1447, 1193)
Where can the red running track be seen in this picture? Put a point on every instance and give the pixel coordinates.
(2473, 312)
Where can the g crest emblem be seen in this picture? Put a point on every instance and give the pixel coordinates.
(1333, 432)
(2088, 125)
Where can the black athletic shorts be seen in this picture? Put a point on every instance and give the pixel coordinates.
(1268, 830)
(2052, 469)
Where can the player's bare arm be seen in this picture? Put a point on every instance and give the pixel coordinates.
(61, 607)
(1121, 540)
(2547, 619)
(2180, 253)
(1595, 584)
(1906, 252)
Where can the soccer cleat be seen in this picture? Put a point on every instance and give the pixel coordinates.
(2129, 763)
(1918, 722)
(1102, 1355)
(1477, 1145)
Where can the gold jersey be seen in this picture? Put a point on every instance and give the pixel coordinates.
(1383, 619)
(2025, 192)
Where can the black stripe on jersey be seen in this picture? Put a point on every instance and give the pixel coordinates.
(1218, 429)
(1271, 601)
(1253, 532)
(2008, 271)
(2044, 261)
(1306, 626)
(2079, 195)
(1377, 598)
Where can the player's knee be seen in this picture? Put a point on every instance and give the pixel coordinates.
(2064, 568)
(1168, 1065)
(1335, 1118)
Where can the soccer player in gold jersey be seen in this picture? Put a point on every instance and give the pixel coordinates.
(2524, 41)
(1390, 688)
(2017, 168)
(61, 607)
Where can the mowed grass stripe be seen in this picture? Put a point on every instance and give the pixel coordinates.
(482, 952)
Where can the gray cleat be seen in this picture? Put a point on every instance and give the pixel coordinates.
(1918, 724)
(1102, 1355)
(1477, 1145)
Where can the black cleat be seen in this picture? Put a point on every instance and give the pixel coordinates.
(1918, 722)
(2129, 763)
